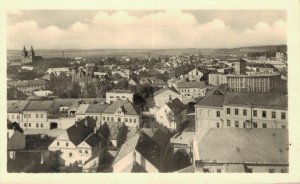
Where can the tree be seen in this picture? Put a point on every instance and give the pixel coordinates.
(75, 90)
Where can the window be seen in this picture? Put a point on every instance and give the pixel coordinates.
(244, 112)
(25, 124)
(264, 125)
(130, 120)
(218, 170)
(283, 170)
(112, 118)
(80, 151)
(283, 127)
(205, 170)
(103, 118)
(107, 118)
(17, 116)
(273, 114)
(228, 123)
(218, 113)
(264, 114)
(86, 152)
(57, 143)
(237, 124)
(271, 170)
(255, 113)
(37, 116)
(42, 125)
(218, 125)
(236, 111)
(67, 144)
(29, 124)
(70, 154)
(255, 125)
(42, 115)
(134, 120)
(37, 125)
(29, 115)
(228, 110)
(283, 115)
(25, 115)
(126, 119)
(119, 119)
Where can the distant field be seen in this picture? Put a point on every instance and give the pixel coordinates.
(16, 54)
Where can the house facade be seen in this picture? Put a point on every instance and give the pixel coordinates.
(240, 110)
(165, 95)
(113, 95)
(191, 90)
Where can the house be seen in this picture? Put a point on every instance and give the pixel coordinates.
(138, 154)
(172, 114)
(15, 110)
(113, 95)
(58, 71)
(78, 143)
(191, 90)
(82, 74)
(225, 109)
(195, 74)
(37, 115)
(43, 93)
(15, 137)
(164, 95)
(92, 110)
(122, 111)
(29, 86)
(114, 133)
(245, 151)
(171, 82)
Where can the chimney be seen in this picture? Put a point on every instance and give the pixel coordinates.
(134, 157)
(76, 123)
(86, 122)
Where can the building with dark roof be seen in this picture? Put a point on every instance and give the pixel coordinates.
(221, 109)
(78, 143)
(164, 95)
(114, 133)
(122, 111)
(15, 110)
(241, 150)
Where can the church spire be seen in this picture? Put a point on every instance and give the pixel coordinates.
(24, 52)
(32, 51)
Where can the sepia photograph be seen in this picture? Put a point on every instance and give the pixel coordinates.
(147, 91)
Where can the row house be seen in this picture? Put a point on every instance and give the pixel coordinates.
(221, 109)
(92, 110)
(15, 110)
(245, 151)
(79, 143)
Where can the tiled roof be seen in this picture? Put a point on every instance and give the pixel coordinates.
(96, 108)
(111, 130)
(127, 106)
(16, 106)
(92, 140)
(81, 129)
(213, 100)
(193, 84)
(269, 146)
(38, 105)
(120, 91)
(165, 89)
(176, 106)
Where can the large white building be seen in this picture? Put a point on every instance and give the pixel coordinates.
(221, 109)
(165, 95)
(114, 95)
(191, 90)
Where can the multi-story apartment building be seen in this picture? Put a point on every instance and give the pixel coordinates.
(258, 82)
(221, 109)
(122, 111)
(114, 95)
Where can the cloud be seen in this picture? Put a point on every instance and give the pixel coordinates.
(166, 29)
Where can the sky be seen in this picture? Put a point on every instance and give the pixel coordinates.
(144, 29)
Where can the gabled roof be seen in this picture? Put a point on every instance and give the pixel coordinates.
(82, 108)
(111, 130)
(245, 146)
(96, 108)
(16, 106)
(39, 105)
(236, 100)
(176, 106)
(81, 129)
(127, 106)
(166, 89)
(92, 140)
